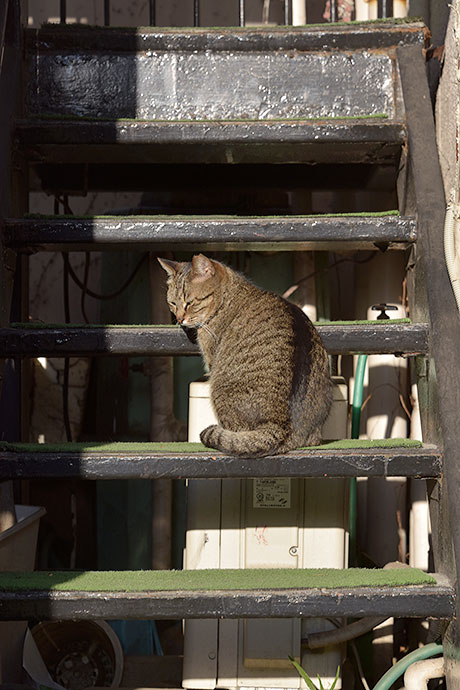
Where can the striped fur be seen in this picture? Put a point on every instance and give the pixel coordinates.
(269, 372)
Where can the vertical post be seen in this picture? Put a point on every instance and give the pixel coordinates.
(12, 198)
(63, 11)
(163, 426)
(106, 12)
(333, 10)
(152, 18)
(196, 12)
(286, 13)
(242, 13)
(3, 17)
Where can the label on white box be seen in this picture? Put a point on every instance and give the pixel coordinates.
(271, 493)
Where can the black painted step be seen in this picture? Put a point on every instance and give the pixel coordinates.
(70, 595)
(389, 457)
(27, 340)
(354, 140)
(195, 73)
(384, 231)
(356, 36)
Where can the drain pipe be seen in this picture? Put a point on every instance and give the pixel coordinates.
(418, 675)
(299, 12)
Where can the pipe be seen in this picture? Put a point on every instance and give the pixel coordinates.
(355, 423)
(343, 634)
(418, 674)
(401, 666)
(299, 13)
(358, 396)
(452, 263)
(419, 514)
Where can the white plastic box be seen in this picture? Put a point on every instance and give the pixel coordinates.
(261, 523)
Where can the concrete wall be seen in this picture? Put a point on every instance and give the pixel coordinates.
(447, 106)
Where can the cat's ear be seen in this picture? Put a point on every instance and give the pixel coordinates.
(202, 268)
(171, 267)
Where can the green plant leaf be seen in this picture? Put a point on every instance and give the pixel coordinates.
(336, 678)
(307, 678)
(303, 674)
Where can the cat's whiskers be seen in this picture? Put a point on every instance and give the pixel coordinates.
(210, 331)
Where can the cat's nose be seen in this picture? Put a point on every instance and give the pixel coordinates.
(180, 316)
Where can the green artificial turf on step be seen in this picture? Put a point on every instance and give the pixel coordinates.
(186, 447)
(211, 580)
(206, 216)
(31, 325)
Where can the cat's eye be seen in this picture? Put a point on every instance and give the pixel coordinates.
(172, 304)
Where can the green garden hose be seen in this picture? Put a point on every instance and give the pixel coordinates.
(355, 423)
(403, 664)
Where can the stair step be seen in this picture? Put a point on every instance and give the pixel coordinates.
(347, 458)
(287, 593)
(342, 232)
(30, 340)
(354, 140)
(305, 73)
(378, 34)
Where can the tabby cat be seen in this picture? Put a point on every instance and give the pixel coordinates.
(269, 372)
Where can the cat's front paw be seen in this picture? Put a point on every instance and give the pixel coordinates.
(207, 436)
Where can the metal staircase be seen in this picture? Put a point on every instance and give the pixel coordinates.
(79, 133)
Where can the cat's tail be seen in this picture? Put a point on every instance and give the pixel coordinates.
(268, 439)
